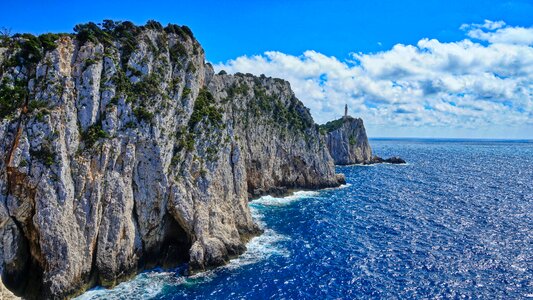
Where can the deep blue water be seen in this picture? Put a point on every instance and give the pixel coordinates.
(456, 222)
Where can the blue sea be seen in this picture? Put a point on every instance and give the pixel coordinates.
(455, 222)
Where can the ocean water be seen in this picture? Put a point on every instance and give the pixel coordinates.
(455, 222)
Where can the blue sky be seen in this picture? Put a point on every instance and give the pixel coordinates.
(228, 29)
(354, 52)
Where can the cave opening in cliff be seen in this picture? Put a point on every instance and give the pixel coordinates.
(174, 249)
(24, 276)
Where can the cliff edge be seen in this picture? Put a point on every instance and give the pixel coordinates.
(122, 150)
(348, 144)
(347, 141)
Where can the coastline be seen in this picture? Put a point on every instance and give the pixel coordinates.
(258, 248)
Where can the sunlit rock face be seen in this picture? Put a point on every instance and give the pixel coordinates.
(347, 141)
(123, 150)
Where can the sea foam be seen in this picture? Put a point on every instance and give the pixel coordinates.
(282, 201)
(151, 283)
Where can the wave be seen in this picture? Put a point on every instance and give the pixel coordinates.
(152, 283)
(342, 186)
(282, 201)
(144, 286)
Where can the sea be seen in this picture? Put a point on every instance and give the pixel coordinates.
(455, 222)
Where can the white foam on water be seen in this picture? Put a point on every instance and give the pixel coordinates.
(282, 201)
(144, 286)
(342, 186)
(260, 247)
(151, 283)
(361, 165)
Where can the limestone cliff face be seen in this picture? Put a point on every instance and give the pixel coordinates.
(121, 149)
(347, 141)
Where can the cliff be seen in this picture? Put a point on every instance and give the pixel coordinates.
(347, 141)
(123, 150)
(348, 144)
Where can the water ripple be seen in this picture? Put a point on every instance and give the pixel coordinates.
(457, 222)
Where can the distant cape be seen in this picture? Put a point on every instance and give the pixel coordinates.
(348, 144)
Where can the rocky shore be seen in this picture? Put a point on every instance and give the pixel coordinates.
(391, 160)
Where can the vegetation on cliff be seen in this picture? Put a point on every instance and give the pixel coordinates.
(126, 151)
(332, 125)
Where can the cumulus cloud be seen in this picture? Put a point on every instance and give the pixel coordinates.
(463, 85)
(499, 33)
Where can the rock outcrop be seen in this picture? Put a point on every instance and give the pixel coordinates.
(347, 141)
(123, 150)
(391, 160)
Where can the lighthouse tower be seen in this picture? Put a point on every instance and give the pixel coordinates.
(345, 111)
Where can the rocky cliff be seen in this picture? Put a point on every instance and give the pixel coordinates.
(121, 150)
(347, 141)
(348, 144)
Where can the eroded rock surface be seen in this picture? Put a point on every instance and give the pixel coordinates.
(121, 150)
(347, 141)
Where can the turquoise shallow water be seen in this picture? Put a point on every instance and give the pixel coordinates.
(455, 222)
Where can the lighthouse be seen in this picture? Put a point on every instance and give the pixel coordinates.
(346, 111)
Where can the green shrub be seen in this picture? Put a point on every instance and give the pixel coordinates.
(36, 104)
(189, 142)
(23, 163)
(291, 115)
(93, 33)
(93, 134)
(212, 152)
(122, 84)
(147, 87)
(175, 29)
(188, 31)
(126, 33)
(12, 96)
(109, 26)
(108, 31)
(186, 140)
(237, 89)
(175, 160)
(204, 107)
(177, 51)
(114, 100)
(44, 155)
(331, 126)
(48, 41)
(130, 124)
(40, 115)
(186, 92)
(191, 68)
(135, 72)
(143, 114)
(352, 140)
(154, 25)
(30, 50)
(90, 62)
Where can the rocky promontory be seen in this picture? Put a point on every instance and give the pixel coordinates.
(348, 144)
(122, 150)
(347, 141)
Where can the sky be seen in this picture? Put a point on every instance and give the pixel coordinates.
(455, 69)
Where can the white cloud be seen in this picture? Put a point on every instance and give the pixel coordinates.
(458, 88)
(499, 33)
